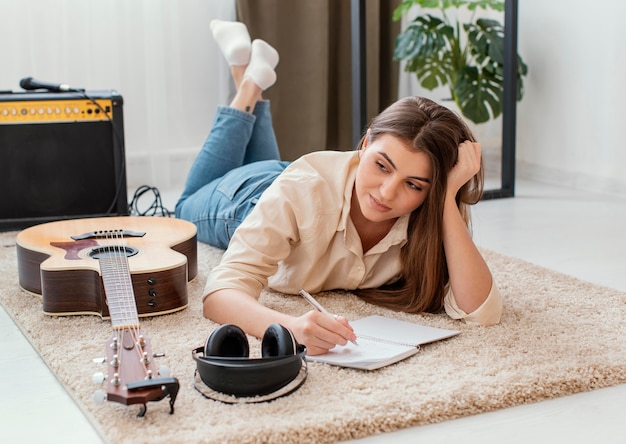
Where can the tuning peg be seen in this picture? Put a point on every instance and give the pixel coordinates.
(100, 360)
(98, 378)
(145, 359)
(99, 396)
(164, 371)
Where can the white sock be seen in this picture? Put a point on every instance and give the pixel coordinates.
(263, 60)
(234, 41)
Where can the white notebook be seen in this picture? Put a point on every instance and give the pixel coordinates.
(382, 341)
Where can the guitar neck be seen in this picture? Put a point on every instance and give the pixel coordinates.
(118, 287)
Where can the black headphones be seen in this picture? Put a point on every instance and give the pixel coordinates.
(227, 368)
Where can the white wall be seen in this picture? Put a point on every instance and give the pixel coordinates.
(158, 54)
(570, 121)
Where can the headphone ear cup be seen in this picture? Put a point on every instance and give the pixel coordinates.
(278, 341)
(227, 340)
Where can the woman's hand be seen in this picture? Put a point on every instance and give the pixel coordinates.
(466, 167)
(319, 332)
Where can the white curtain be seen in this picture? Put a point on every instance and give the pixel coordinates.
(158, 54)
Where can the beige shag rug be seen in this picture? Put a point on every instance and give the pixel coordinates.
(558, 336)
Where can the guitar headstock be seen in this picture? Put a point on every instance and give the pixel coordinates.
(132, 377)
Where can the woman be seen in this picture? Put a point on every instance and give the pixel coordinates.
(389, 220)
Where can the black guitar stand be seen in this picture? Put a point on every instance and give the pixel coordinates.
(169, 387)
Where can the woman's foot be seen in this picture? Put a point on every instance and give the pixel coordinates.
(234, 41)
(263, 60)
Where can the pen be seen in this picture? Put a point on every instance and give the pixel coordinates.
(311, 300)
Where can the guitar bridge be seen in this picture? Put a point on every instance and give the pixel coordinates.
(99, 234)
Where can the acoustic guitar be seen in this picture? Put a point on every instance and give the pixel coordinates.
(59, 261)
(92, 255)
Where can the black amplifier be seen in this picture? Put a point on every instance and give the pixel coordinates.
(61, 157)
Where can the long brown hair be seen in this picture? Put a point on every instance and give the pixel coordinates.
(427, 127)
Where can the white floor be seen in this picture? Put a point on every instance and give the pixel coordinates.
(576, 233)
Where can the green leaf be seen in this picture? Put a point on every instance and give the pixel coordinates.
(429, 4)
(403, 8)
(496, 5)
(431, 71)
(522, 69)
(426, 36)
(478, 95)
(486, 40)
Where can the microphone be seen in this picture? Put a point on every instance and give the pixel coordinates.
(28, 83)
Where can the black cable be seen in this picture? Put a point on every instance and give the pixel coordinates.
(155, 208)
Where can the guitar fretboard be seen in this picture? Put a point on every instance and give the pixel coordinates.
(119, 290)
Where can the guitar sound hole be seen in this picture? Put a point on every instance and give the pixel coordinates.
(112, 251)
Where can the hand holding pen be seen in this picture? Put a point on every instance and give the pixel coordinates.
(311, 300)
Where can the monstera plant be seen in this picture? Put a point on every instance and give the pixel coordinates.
(467, 56)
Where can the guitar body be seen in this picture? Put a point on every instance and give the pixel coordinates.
(66, 273)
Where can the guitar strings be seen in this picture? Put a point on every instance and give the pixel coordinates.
(130, 307)
(123, 278)
(115, 257)
(126, 296)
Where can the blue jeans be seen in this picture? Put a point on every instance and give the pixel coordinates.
(237, 162)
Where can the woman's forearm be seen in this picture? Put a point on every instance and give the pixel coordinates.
(470, 277)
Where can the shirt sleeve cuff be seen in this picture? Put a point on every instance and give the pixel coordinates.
(489, 313)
